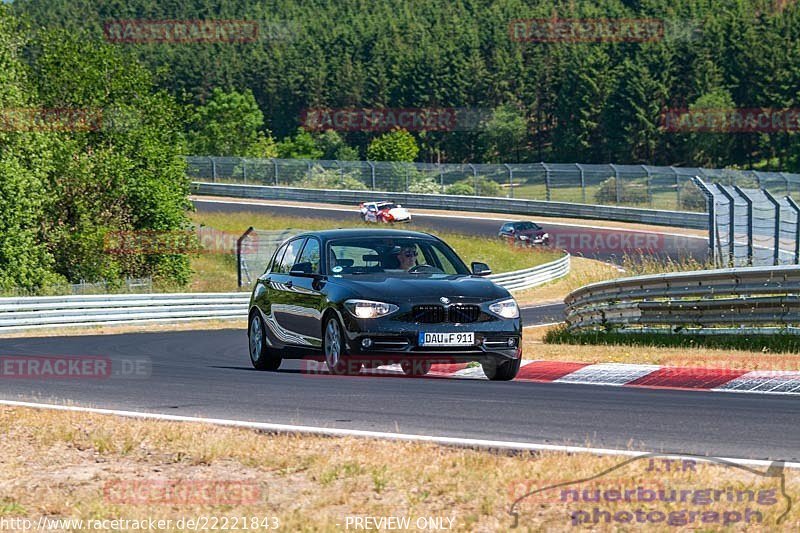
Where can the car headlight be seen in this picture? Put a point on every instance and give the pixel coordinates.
(369, 309)
(506, 308)
(523, 237)
(545, 235)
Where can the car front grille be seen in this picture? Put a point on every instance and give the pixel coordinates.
(434, 314)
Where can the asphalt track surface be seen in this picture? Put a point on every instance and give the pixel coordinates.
(208, 373)
(588, 240)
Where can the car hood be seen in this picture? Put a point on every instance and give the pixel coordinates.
(398, 212)
(418, 287)
(532, 232)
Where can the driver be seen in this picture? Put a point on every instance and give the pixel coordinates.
(407, 257)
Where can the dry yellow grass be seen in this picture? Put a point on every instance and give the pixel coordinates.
(534, 348)
(62, 464)
(582, 272)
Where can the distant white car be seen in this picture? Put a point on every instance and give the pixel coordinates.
(385, 212)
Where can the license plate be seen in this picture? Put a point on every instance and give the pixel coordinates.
(447, 339)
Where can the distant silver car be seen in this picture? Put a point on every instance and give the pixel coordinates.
(385, 212)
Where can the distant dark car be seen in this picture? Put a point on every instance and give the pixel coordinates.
(525, 233)
(371, 297)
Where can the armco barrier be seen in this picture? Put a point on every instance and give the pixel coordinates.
(679, 219)
(734, 300)
(119, 309)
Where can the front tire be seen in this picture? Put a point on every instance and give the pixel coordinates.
(505, 371)
(334, 348)
(259, 356)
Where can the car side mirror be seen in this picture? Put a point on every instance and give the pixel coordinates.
(301, 269)
(480, 269)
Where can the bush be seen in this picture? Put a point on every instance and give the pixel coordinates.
(461, 188)
(330, 178)
(631, 192)
(487, 187)
(423, 184)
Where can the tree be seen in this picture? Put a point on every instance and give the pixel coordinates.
(229, 124)
(301, 146)
(503, 135)
(397, 145)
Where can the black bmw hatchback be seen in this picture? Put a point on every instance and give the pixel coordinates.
(373, 297)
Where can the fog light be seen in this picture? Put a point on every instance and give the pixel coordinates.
(512, 342)
(366, 343)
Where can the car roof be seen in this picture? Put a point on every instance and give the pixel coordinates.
(359, 232)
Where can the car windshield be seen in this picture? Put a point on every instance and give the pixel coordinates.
(523, 226)
(394, 256)
(386, 206)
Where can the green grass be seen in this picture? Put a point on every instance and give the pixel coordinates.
(217, 272)
(778, 343)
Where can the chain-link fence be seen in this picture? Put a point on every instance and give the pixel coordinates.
(254, 250)
(129, 285)
(655, 187)
(750, 227)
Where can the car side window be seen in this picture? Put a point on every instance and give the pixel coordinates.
(290, 257)
(506, 228)
(276, 261)
(444, 263)
(310, 254)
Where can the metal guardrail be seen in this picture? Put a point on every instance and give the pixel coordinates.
(531, 277)
(733, 300)
(23, 313)
(118, 309)
(679, 219)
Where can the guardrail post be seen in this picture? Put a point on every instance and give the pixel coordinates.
(796, 209)
(777, 258)
(546, 181)
(749, 202)
(510, 181)
(712, 216)
(583, 182)
(731, 233)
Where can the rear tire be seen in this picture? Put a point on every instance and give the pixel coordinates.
(505, 371)
(259, 356)
(333, 347)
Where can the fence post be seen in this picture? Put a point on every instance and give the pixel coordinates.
(275, 163)
(777, 251)
(617, 183)
(372, 173)
(712, 217)
(546, 181)
(731, 233)
(239, 254)
(649, 185)
(441, 178)
(510, 181)
(749, 202)
(474, 178)
(796, 208)
(677, 189)
(786, 180)
(213, 170)
(244, 169)
(583, 182)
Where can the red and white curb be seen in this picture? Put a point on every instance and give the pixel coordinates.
(632, 375)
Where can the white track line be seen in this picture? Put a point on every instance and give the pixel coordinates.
(335, 432)
(195, 198)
